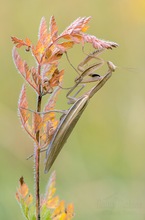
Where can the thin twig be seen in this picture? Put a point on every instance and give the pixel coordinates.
(47, 112)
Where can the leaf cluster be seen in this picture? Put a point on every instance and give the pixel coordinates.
(52, 208)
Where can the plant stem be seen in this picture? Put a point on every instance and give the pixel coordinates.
(37, 165)
(37, 159)
(37, 154)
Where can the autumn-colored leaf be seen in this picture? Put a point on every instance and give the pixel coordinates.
(49, 127)
(70, 211)
(65, 46)
(24, 112)
(53, 29)
(56, 215)
(46, 56)
(29, 200)
(51, 56)
(51, 189)
(97, 43)
(24, 70)
(44, 39)
(49, 83)
(56, 78)
(77, 38)
(50, 122)
(48, 70)
(49, 200)
(25, 199)
(78, 26)
(38, 50)
(62, 213)
(23, 105)
(37, 122)
(50, 105)
(43, 35)
(23, 189)
(19, 42)
(22, 194)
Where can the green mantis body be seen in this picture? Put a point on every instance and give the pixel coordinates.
(69, 120)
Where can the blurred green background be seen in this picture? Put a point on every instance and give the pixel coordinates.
(102, 166)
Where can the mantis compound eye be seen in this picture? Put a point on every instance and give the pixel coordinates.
(94, 75)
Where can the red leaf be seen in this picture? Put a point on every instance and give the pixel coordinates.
(53, 29)
(24, 113)
(24, 70)
(42, 29)
(43, 35)
(78, 26)
(23, 105)
(97, 43)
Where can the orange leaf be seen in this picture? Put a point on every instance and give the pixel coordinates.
(28, 42)
(37, 122)
(56, 78)
(22, 194)
(46, 56)
(77, 38)
(49, 70)
(19, 43)
(57, 213)
(65, 46)
(70, 211)
(49, 125)
(51, 56)
(23, 189)
(52, 203)
(29, 199)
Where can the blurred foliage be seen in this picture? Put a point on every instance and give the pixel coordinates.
(51, 206)
(102, 166)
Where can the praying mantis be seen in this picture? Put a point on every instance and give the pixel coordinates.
(69, 120)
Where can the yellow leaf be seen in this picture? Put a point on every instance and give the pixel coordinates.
(29, 199)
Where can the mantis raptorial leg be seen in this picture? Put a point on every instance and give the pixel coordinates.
(68, 121)
(88, 72)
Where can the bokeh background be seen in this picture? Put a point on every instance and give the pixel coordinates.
(101, 169)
